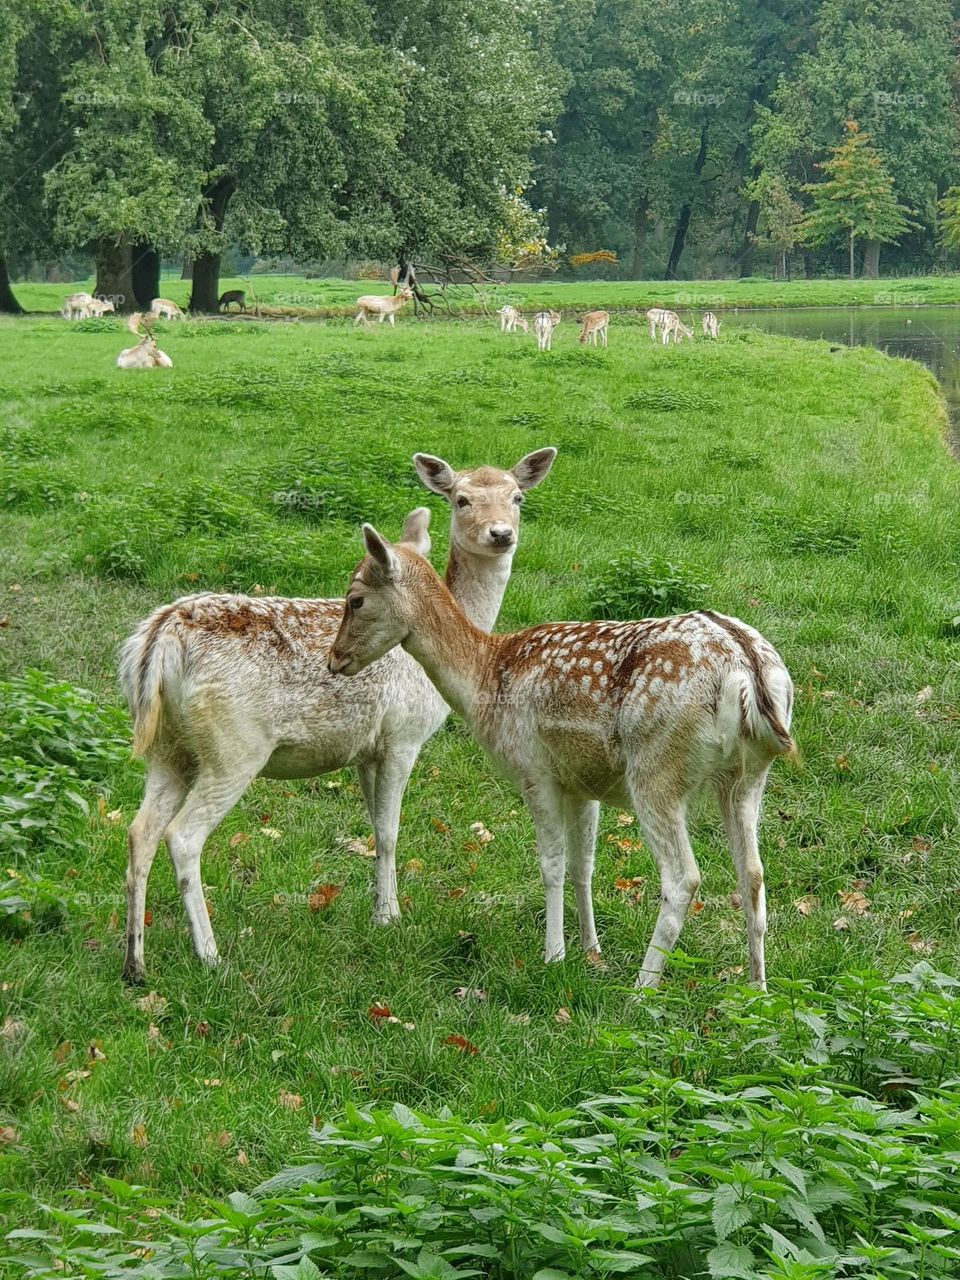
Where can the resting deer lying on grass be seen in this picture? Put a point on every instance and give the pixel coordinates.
(639, 714)
(710, 325)
(146, 355)
(375, 304)
(164, 309)
(544, 324)
(511, 319)
(224, 688)
(594, 325)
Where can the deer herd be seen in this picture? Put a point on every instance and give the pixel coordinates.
(643, 714)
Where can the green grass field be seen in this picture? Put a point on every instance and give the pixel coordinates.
(810, 492)
(295, 294)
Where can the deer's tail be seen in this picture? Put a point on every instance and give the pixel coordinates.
(149, 659)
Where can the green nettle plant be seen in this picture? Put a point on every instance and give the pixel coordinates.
(54, 739)
(639, 586)
(795, 1136)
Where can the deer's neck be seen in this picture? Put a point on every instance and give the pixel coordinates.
(453, 652)
(477, 583)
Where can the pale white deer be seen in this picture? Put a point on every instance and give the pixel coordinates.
(710, 325)
(544, 323)
(99, 307)
(594, 325)
(164, 309)
(636, 714)
(381, 306)
(511, 320)
(226, 688)
(671, 326)
(146, 354)
(76, 306)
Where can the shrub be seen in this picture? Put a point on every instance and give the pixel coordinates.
(671, 400)
(31, 486)
(637, 586)
(54, 737)
(795, 1136)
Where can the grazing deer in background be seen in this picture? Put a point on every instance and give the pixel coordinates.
(639, 714)
(656, 317)
(544, 324)
(76, 306)
(671, 326)
(164, 309)
(594, 325)
(230, 296)
(146, 355)
(511, 319)
(375, 304)
(710, 325)
(99, 307)
(225, 688)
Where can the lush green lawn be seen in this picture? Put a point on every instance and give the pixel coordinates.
(810, 491)
(336, 297)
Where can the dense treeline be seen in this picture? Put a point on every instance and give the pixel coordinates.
(711, 137)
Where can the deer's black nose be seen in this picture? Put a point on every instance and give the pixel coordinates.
(501, 536)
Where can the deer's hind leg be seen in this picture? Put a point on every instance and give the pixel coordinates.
(163, 794)
(740, 798)
(663, 820)
(580, 825)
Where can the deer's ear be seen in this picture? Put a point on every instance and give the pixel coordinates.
(435, 473)
(530, 470)
(416, 531)
(380, 552)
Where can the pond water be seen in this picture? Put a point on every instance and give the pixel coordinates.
(928, 334)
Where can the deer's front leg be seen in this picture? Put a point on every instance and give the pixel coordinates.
(546, 809)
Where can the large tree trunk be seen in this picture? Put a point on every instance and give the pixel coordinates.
(8, 302)
(748, 246)
(853, 266)
(187, 270)
(871, 260)
(115, 272)
(145, 273)
(683, 221)
(206, 266)
(639, 238)
(206, 282)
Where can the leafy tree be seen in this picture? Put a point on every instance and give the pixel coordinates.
(780, 217)
(949, 209)
(857, 199)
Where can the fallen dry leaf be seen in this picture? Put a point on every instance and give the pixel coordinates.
(923, 694)
(115, 816)
(362, 846)
(854, 900)
(223, 1138)
(625, 885)
(696, 907)
(153, 1002)
(238, 838)
(13, 1028)
(148, 918)
(62, 1051)
(212, 1081)
(8, 1134)
(153, 1032)
(843, 764)
(271, 833)
(469, 993)
(291, 1101)
(95, 1052)
(522, 1019)
(322, 896)
(456, 893)
(483, 835)
(201, 1029)
(841, 924)
(624, 819)
(806, 906)
(71, 1105)
(243, 1159)
(594, 959)
(461, 1043)
(920, 845)
(439, 826)
(922, 946)
(379, 1011)
(138, 1135)
(733, 972)
(563, 1016)
(72, 1077)
(413, 866)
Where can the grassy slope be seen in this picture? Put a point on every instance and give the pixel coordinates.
(336, 296)
(812, 491)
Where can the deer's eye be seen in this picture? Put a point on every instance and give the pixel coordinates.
(354, 603)
(518, 498)
(463, 502)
